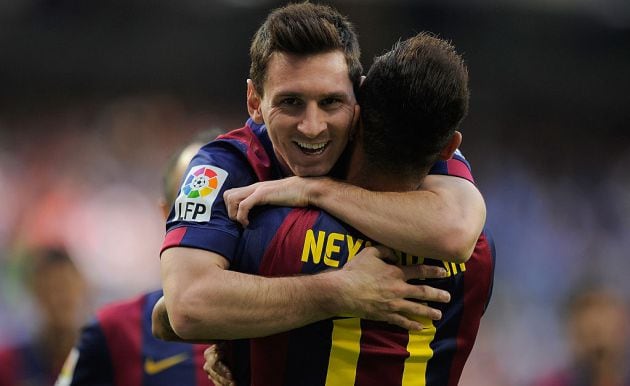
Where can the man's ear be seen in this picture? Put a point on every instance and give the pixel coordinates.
(452, 145)
(253, 103)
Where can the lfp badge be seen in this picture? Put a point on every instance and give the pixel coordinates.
(200, 189)
(201, 183)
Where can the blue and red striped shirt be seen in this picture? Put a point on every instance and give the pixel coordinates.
(118, 348)
(286, 241)
(351, 351)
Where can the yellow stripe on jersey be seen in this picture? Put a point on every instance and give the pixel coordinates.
(344, 352)
(419, 354)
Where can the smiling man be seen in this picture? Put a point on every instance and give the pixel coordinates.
(283, 241)
(301, 99)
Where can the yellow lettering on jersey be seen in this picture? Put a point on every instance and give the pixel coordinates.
(447, 266)
(353, 247)
(452, 268)
(331, 248)
(420, 352)
(313, 247)
(344, 352)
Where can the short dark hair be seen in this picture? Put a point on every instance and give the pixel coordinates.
(413, 99)
(40, 259)
(304, 29)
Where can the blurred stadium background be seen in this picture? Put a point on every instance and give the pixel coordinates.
(95, 96)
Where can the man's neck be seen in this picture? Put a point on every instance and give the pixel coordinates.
(359, 174)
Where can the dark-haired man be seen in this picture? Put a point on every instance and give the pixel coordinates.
(301, 99)
(421, 86)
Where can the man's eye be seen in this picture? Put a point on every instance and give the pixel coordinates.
(290, 101)
(330, 101)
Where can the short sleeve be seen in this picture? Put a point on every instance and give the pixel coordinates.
(456, 166)
(199, 217)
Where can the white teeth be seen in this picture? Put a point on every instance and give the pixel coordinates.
(312, 146)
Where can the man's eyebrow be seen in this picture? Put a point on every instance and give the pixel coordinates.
(340, 95)
(288, 93)
(293, 93)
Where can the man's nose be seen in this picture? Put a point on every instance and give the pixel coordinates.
(313, 122)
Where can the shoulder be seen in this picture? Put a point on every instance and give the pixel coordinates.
(120, 310)
(252, 143)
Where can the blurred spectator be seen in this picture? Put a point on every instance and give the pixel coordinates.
(59, 290)
(598, 332)
(118, 348)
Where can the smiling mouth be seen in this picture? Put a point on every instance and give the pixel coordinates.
(312, 148)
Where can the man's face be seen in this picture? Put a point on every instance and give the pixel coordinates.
(309, 109)
(60, 291)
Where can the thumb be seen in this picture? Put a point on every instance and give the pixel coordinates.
(384, 253)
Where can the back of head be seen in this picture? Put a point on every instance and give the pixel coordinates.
(304, 29)
(413, 99)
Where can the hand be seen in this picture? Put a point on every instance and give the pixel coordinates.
(217, 371)
(377, 290)
(291, 191)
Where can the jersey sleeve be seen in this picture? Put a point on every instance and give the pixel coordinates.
(89, 363)
(456, 166)
(199, 216)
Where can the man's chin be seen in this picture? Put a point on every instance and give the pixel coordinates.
(311, 171)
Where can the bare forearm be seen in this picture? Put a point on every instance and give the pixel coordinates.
(246, 306)
(438, 221)
(207, 302)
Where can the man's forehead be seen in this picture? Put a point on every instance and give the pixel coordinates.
(321, 73)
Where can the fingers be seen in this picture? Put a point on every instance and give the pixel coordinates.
(408, 313)
(426, 293)
(412, 309)
(217, 371)
(404, 322)
(244, 207)
(379, 251)
(240, 201)
(422, 271)
(232, 198)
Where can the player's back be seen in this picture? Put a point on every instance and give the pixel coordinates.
(118, 348)
(343, 351)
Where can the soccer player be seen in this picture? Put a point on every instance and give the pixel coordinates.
(58, 289)
(413, 99)
(118, 348)
(304, 73)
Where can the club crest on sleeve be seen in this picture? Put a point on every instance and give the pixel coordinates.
(199, 191)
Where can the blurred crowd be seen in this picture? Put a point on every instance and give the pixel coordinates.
(551, 160)
(92, 181)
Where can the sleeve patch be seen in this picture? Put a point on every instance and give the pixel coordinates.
(199, 191)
